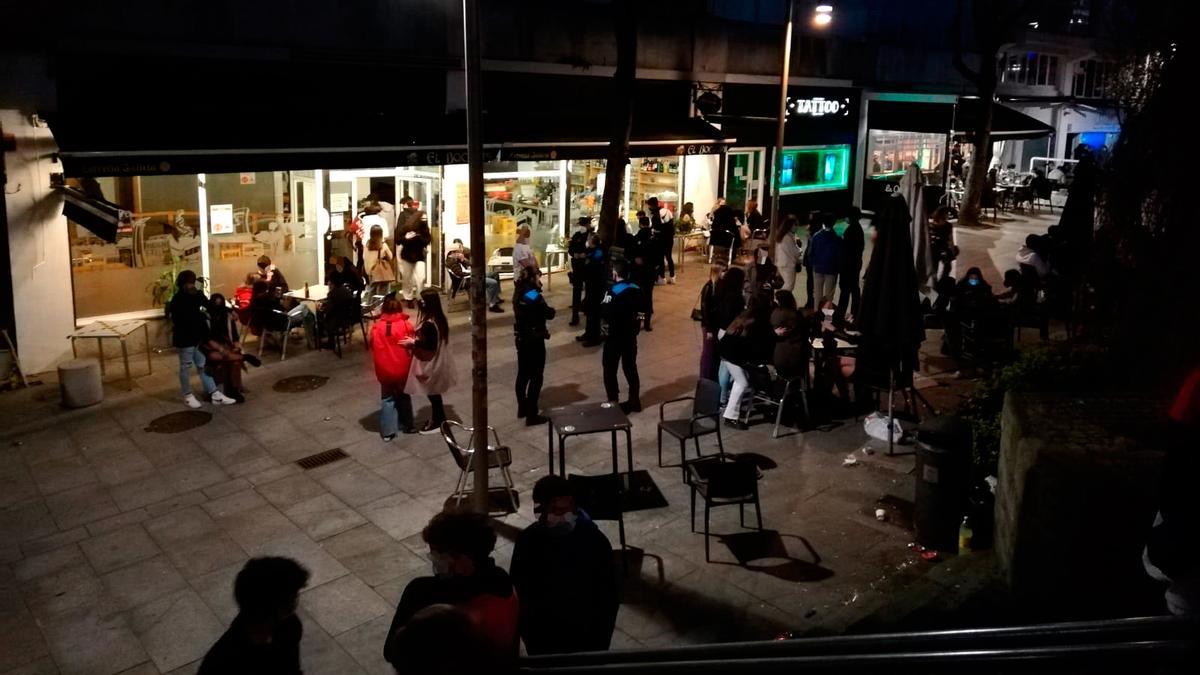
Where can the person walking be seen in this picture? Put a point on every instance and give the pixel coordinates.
(390, 352)
(646, 256)
(786, 250)
(530, 313)
(466, 576)
(826, 259)
(622, 306)
(562, 568)
(189, 333)
(413, 238)
(432, 371)
(850, 274)
(594, 269)
(577, 249)
(265, 635)
(379, 262)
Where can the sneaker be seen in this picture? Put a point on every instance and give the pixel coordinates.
(410, 430)
(670, 280)
(430, 428)
(736, 424)
(631, 407)
(495, 308)
(389, 438)
(191, 401)
(221, 399)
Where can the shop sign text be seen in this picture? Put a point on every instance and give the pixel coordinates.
(818, 106)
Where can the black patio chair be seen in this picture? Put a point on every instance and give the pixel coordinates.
(705, 418)
(723, 483)
(773, 390)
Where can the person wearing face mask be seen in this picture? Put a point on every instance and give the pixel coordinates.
(623, 305)
(578, 250)
(189, 332)
(530, 313)
(562, 567)
(465, 576)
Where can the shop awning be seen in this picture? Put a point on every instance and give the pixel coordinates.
(89, 150)
(960, 118)
(100, 217)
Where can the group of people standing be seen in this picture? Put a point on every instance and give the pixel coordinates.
(470, 615)
(382, 260)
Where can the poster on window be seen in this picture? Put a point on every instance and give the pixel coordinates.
(462, 203)
(339, 201)
(220, 218)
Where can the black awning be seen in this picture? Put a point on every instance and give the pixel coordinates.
(100, 217)
(941, 118)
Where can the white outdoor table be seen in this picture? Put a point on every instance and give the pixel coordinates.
(115, 330)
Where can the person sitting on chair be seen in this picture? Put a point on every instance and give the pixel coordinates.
(458, 261)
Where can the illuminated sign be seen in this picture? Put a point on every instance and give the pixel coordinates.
(818, 106)
(814, 168)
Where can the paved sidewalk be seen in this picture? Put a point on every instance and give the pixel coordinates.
(119, 545)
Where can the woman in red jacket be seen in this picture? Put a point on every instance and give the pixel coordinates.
(391, 338)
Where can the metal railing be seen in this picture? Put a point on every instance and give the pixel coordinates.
(1150, 644)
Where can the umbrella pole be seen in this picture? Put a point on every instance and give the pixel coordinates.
(891, 400)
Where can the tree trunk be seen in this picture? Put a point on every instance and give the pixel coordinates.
(622, 106)
(969, 213)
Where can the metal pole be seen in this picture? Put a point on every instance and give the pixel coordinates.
(782, 120)
(479, 412)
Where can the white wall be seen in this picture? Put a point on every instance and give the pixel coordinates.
(454, 176)
(39, 257)
(700, 176)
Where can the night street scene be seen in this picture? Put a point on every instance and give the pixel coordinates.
(573, 337)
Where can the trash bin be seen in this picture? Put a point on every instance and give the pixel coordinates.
(943, 476)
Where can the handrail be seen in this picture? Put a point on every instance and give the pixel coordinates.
(1128, 630)
(1105, 656)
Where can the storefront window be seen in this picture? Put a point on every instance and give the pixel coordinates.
(162, 239)
(586, 189)
(814, 168)
(272, 213)
(653, 177)
(890, 152)
(522, 198)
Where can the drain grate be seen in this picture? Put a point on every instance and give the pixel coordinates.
(321, 459)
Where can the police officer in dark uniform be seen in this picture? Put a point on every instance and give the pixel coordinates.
(578, 251)
(529, 325)
(622, 309)
(646, 256)
(594, 269)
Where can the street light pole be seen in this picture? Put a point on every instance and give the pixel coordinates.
(777, 161)
(479, 412)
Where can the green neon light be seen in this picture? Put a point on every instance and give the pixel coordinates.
(814, 168)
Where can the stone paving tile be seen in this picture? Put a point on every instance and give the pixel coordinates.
(54, 541)
(194, 542)
(365, 645)
(117, 549)
(227, 488)
(231, 449)
(23, 644)
(356, 485)
(62, 473)
(373, 555)
(234, 503)
(343, 604)
(49, 562)
(147, 668)
(324, 516)
(81, 505)
(399, 515)
(249, 467)
(418, 477)
(117, 522)
(254, 526)
(141, 492)
(216, 589)
(123, 466)
(68, 591)
(26, 521)
(291, 490)
(320, 653)
(273, 472)
(196, 474)
(142, 582)
(93, 644)
(16, 486)
(41, 666)
(175, 629)
(175, 503)
(321, 566)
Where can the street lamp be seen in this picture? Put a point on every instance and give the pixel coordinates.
(822, 17)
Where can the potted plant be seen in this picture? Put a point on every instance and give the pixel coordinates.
(162, 289)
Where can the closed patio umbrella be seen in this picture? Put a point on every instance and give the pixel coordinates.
(912, 189)
(891, 323)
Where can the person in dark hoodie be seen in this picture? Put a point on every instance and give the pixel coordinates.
(562, 567)
(264, 638)
(189, 333)
(850, 275)
(465, 576)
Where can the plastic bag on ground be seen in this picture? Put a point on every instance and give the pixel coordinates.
(876, 426)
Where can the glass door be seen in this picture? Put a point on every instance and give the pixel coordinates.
(421, 187)
(743, 176)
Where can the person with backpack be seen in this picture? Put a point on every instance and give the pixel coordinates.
(390, 352)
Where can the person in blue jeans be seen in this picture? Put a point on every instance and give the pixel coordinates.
(189, 331)
(393, 360)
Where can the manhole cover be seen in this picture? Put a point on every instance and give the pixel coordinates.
(300, 383)
(173, 423)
